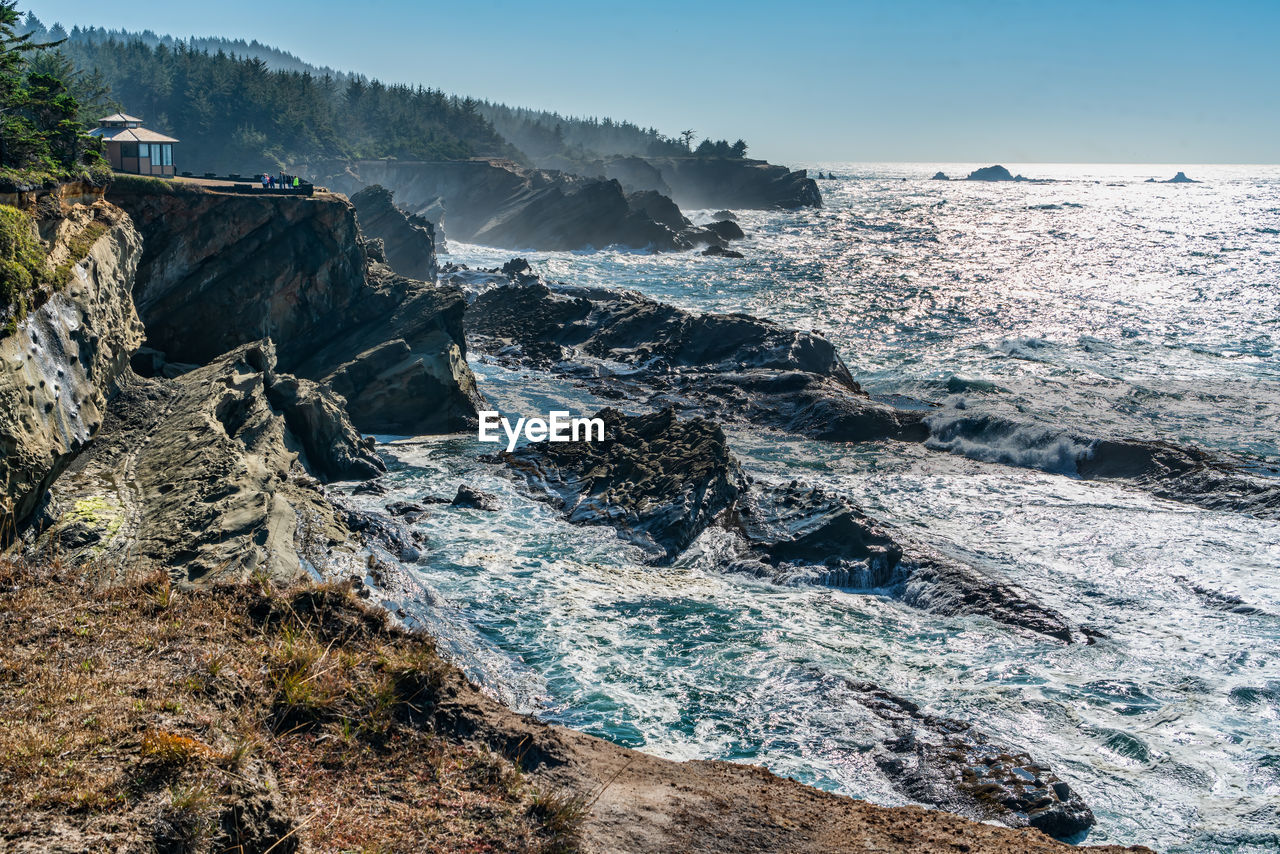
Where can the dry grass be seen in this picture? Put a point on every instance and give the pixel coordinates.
(143, 717)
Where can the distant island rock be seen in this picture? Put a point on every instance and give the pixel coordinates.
(991, 173)
(1180, 178)
(941, 176)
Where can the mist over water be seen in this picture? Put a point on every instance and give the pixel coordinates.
(1096, 305)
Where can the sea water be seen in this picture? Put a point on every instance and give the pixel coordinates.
(1095, 304)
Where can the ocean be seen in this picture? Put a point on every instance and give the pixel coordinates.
(1091, 305)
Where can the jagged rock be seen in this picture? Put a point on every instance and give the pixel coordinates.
(409, 245)
(658, 480)
(213, 475)
(220, 270)
(1190, 475)
(721, 252)
(659, 208)
(722, 215)
(317, 418)
(952, 765)
(475, 499)
(731, 364)
(1180, 178)
(410, 511)
(60, 365)
(726, 229)
(661, 481)
(940, 176)
(633, 173)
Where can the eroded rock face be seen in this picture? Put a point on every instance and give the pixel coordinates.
(952, 765)
(221, 270)
(60, 366)
(409, 240)
(213, 475)
(734, 365)
(657, 479)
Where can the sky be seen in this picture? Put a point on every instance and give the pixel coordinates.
(804, 81)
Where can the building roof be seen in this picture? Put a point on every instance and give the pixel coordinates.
(120, 117)
(130, 135)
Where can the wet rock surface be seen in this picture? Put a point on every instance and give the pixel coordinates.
(475, 499)
(952, 765)
(734, 365)
(655, 478)
(661, 481)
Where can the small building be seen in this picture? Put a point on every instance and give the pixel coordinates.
(132, 148)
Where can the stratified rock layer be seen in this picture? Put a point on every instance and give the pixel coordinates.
(213, 475)
(220, 270)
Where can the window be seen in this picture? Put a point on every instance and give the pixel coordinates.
(128, 149)
(168, 155)
(144, 150)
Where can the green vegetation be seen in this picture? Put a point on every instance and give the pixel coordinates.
(234, 113)
(41, 139)
(242, 106)
(721, 148)
(542, 135)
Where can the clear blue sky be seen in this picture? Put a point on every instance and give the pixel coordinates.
(1034, 81)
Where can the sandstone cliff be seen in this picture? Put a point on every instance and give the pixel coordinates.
(409, 240)
(59, 366)
(213, 476)
(220, 270)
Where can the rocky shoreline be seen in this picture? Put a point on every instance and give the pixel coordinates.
(278, 331)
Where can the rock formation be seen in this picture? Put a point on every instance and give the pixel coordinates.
(992, 173)
(954, 766)
(213, 475)
(661, 481)
(732, 365)
(712, 182)
(499, 203)
(60, 365)
(220, 270)
(940, 176)
(409, 241)
(1180, 178)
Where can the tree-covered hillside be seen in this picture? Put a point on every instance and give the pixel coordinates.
(542, 134)
(236, 114)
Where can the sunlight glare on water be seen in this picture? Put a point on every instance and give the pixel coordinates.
(1098, 303)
